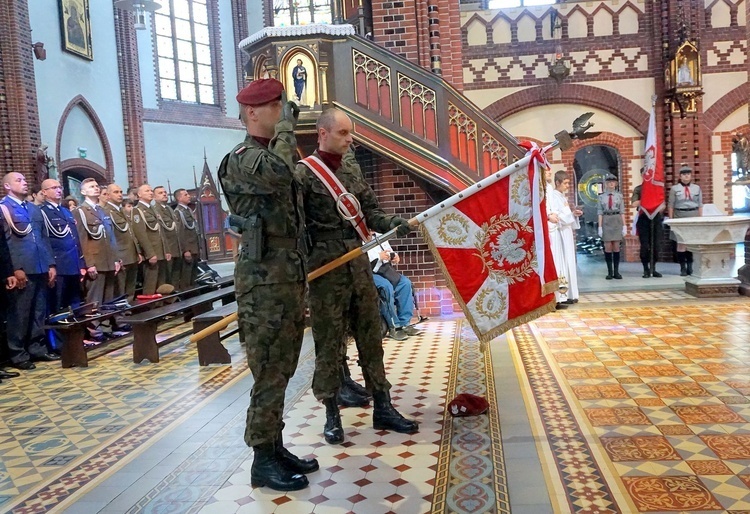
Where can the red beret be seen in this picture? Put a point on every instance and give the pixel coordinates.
(260, 91)
(466, 404)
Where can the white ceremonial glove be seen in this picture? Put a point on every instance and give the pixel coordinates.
(624, 231)
(599, 231)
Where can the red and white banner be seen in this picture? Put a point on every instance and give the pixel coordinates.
(494, 249)
(652, 189)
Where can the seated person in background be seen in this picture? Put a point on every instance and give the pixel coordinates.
(398, 307)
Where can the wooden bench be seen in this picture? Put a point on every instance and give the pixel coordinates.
(73, 333)
(210, 349)
(146, 324)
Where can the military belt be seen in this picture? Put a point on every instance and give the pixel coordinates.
(609, 213)
(332, 235)
(686, 209)
(284, 243)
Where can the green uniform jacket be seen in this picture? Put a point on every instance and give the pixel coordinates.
(125, 241)
(187, 228)
(260, 181)
(322, 217)
(97, 243)
(147, 231)
(168, 221)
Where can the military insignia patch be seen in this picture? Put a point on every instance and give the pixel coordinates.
(137, 218)
(240, 150)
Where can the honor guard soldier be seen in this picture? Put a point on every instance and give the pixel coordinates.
(187, 228)
(97, 241)
(685, 201)
(147, 231)
(611, 212)
(66, 246)
(345, 296)
(649, 232)
(257, 178)
(168, 221)
(34, 270)
(128, 250)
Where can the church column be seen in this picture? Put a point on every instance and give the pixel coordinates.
(19, 111)
(132, 101)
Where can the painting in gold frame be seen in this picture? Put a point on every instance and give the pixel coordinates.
(75, 25)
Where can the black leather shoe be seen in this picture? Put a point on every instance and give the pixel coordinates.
(569, 301)
(617, 276)
(25, 365)
(46, 357)
(646, 274)
(656, 274)
(268, 471)
(385, 417)
(5, 374)
(333, 431)
(608, 277)
(560, 306)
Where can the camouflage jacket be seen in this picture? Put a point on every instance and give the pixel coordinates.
(260, 181)
(322, 217)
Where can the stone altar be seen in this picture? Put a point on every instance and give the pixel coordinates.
(712, 239)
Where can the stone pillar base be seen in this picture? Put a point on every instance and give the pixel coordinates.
(712, 290)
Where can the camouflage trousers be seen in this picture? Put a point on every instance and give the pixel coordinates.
(341, 300)
(272, 318)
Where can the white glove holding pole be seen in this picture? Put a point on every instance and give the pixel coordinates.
(599, 231)
(624, 231)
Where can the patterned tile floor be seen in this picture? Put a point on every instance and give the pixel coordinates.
(627, 402)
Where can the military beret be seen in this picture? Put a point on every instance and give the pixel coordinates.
(685, 169)
(260, 91)
(466, 404)
(609, 177)
(165, 289)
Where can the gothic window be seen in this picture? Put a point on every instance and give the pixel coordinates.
(184, 51)
(301, 12)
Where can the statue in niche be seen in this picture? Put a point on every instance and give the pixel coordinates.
(43, 164)
(299, 76)
(684, 75)
(741, 148)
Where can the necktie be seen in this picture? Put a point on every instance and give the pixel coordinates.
(23, 204)
(610, 201)
(687, 193)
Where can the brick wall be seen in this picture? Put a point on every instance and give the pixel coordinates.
(19, 114)
(401, 194)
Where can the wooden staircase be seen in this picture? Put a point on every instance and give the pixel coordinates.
(399, 110)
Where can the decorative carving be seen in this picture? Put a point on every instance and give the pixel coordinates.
(418, 112)
(460, 120)
(372, 83)
(495, 154)
(463, 136)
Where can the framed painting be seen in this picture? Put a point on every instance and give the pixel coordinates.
(75, 25)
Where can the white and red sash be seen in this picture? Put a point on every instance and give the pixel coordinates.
(346, 203)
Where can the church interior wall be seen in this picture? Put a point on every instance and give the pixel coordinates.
(63, 76)
(79, 132)
(717, 85)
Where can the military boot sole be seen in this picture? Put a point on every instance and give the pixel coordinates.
(296, 483)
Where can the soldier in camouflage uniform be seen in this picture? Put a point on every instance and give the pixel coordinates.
(346, 295)
(257, 178)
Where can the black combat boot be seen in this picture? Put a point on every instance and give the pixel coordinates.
(333, 432)
(655, 273)
(350, 394)
(646, 270)
(608, 259)
(267, 470)
(689, 262)
(616, 265)
(291, 461)
(682, 259)
(385, 417)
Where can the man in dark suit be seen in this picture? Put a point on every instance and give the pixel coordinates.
(34, 270)
(95, 232)
(187, 228)
(7, 282)
(126, 244)
(66, 247)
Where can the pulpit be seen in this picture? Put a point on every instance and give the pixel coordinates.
(712, 239)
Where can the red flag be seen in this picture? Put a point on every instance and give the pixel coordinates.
(652, 189)
(493, 248)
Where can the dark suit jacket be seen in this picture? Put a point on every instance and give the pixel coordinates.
(99, 252)
(31, 252)
(66, 248)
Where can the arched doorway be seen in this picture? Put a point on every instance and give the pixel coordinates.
(591, 164)
(74, 171)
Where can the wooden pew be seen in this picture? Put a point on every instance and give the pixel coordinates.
(145, 324)
(210, 349)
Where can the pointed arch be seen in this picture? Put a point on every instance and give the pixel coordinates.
(108, 171)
